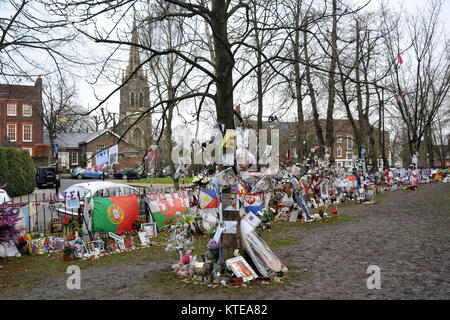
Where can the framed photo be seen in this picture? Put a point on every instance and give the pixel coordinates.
(110, 248)
(96, 244)
(80, 247)
(230, 202)
(58, 244)
(241, 268)
(149, 229)
(143, 238)
(56, 227)
(227, 177)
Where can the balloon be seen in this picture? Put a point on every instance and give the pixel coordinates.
(316, 147)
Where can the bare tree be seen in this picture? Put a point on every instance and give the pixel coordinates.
(421, 85)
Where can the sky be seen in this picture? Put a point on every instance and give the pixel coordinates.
(86, 92)
(87, 98)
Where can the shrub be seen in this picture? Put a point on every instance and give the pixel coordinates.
(17, 169)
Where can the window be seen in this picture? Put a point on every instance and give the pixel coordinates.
(339, 152)
(11, 132)
(111, 192)
(132, 100)
(339, 164)
(128, 191)
(349, 155)
(74, 157)
(100, 147)
(12, 109)
(99, 193)
(349, 143)
(27, 132)
(137, 137)
(141, 99)
(27, 111)
(30, 150)
(339, 139)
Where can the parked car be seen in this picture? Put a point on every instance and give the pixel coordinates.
(47, 176)
(128, 174)
(80, 173)
(165, 172)
(4, 197)
(95, 189)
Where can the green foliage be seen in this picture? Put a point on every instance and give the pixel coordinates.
(68, 250)
(17, 168)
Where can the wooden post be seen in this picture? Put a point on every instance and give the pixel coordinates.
(230, 241)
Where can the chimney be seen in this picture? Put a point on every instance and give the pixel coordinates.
(38, 85)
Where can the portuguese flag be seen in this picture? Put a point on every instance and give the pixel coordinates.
(115, 214)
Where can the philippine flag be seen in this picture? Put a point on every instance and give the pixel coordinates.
(208, 199)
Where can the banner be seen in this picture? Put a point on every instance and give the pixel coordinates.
(113, 154)
(101, 157)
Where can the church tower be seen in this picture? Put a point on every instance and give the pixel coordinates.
(135, 99)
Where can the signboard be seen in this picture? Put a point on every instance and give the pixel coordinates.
(72, 203)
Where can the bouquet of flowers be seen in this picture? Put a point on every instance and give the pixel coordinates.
(213, 245)
(200, 180)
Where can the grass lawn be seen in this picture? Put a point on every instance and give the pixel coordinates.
(166, 180)
(25, 271)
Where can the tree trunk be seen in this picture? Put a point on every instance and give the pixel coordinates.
(223, 66)
(312, 93)
(259, 78)
(298, 89)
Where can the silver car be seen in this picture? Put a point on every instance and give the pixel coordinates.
(94, 189)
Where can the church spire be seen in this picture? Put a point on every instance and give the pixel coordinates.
(134, 59)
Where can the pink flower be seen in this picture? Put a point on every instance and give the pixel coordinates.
(186, 259)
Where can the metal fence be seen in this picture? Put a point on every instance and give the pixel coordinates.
(47, 213)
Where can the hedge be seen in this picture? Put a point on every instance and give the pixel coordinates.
(17, 168)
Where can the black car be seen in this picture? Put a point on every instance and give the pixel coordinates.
(47, 176)
(128, 174)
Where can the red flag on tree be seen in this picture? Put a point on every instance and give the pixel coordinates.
(400, 60)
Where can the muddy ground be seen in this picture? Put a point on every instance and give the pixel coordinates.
(406, 234)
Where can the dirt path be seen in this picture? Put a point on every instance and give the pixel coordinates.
(406, 234)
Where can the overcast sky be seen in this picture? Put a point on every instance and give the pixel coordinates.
(86, 92)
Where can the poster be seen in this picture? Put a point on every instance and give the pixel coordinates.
(113, 154)
(101, 157)
(230, 227)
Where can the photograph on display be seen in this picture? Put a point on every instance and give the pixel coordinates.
(241, 268)
(230, 202)
(149, 229)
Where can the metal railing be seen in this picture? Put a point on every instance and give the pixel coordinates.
(47, 213)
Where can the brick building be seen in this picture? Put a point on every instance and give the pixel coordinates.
(441, 156)
(79, 149)
(21, 122)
